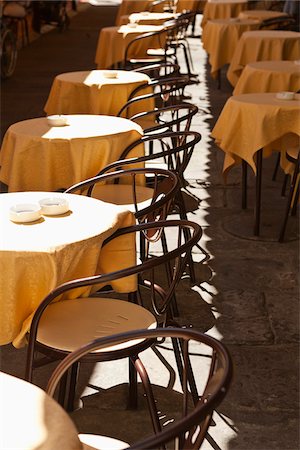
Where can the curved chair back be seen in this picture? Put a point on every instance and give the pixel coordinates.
(146, 209)
(167, 118)
(160, 71)
(175, 149)
(165, 91)
(189, 429)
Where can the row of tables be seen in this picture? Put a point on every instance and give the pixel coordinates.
(254, 121)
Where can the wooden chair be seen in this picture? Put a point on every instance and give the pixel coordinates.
(160, 39)
(279, 23)
(165, 91)
(189, 428)
(172, 149)
(60, 327)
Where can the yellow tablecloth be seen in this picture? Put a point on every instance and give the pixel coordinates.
(249, 122)
(30, 419)
(222, 9)
(91, 92)
(113, 41)
(35, 156)
(269, 76)
(261, 14)
(220, 37)
(263, 45)
(37, 257)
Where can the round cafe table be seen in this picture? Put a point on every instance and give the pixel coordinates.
(38, 256)
(220, 37)
(222, 9)
(253, 125)
(95, 92)
(269, 76)
(263, 45)
(37, 156)
(112, 43)
(30, 419)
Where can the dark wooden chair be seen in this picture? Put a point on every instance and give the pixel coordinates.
(60, 327)
(186, 429)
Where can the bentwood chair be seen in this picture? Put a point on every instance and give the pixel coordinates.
(161, 39)
(60, 327)
(171, 149)
(166, 91)
(187, 427)
(160, 71)
(168, 118)
(279, 23)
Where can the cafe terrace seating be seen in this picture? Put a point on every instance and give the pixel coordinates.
(72, 278)
(194, 416)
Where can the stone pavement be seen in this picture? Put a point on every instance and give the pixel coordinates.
(247, 292)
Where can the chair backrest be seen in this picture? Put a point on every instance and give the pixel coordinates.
(168, 118)
(278, 23)
(188, 430)
(165, 91)
(160, 71)
(165, 185)
(159, 39)
(174, 148)
(185, 235)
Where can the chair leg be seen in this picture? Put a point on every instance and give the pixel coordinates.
(244, 184)
(133, 393)
(182, 213)
(149, 394)
(62, 390)
(258, 193)
(291, 202)
(72, 387)
(276, 167)
(178, 347)
(173, 304)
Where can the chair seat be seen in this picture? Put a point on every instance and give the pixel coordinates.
(146, 60)
(123, 195)
(160, 52)
(68, 324)
(95, 442)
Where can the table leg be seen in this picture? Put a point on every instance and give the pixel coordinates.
(258, 193)
(244, 184)
(219, 79)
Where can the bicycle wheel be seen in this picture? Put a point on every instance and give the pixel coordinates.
(8, 53)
